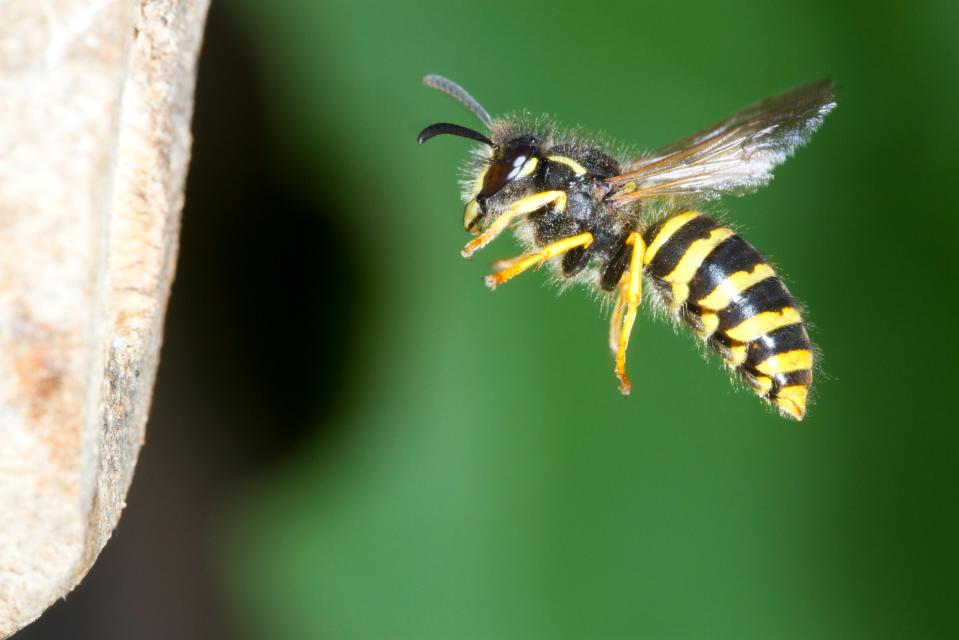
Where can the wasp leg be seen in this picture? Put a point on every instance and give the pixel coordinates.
(511, 268)
(633, 295)
(616, 320)
(519, 208)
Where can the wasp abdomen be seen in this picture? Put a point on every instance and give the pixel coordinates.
(724, 289)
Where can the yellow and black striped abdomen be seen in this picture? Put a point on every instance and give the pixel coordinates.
(723, 288)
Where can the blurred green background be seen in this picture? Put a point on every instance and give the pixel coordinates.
(353, 438)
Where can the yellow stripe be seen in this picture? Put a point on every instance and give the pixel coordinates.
(795, 360)
(670, 227)
(695, 254)
(762, 323)
(710, 324)
(735, 356)
(690, 262)
(569, 162)
(791, 400)
(761, 384)
(680, 293)
(728, 289)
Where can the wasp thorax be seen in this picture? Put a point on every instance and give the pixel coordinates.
(511, 162)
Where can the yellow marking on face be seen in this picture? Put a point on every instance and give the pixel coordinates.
(727, 290)
(795, 360)
(528, 168)
(762, 323)
(577, 168)
(791, 400)
(670, 227)
(761, 384)
(472, 210)
(710, 324)
(471, 213)
(736, 355)
(480, 179)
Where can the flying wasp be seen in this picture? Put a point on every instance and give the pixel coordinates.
(612, 222)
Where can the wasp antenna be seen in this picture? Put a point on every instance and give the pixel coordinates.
(441, 128)
(450, 88)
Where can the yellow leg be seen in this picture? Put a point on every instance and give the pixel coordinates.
(528, 204)
(512, 268)
(616, 319)
(634, 294)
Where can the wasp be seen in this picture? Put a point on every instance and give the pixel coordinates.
(613, 221)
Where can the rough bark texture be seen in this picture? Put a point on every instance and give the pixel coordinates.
(95, 105)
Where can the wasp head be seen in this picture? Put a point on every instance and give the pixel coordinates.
(500, 181)
(507, 166)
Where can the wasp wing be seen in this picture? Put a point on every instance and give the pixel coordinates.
(733, 156)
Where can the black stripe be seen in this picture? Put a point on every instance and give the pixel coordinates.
(780, 380)
(732, 255)
(720, 340)
(673, 250)
(788, 338)
(768, 295)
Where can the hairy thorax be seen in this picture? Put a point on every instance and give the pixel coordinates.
(580, 171)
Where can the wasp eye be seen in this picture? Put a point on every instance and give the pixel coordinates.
(508, 166)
